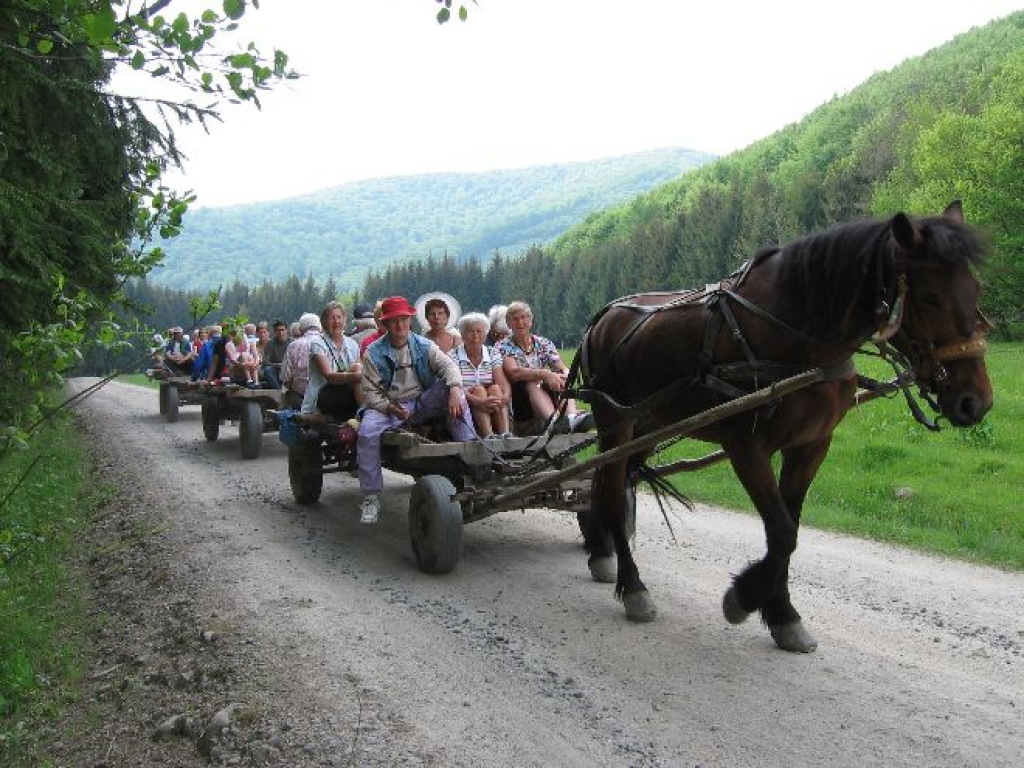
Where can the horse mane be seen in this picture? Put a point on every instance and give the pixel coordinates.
(833, 273)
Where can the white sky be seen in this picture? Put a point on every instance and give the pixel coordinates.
(390, 92)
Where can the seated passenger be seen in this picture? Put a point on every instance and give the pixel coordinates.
(204, 359)
(368, 337)
(199, 337)
(362, 314)
(295, 368)
(222, 353)
(487, 389)
(499, 327)
(244, 360)
(406, 379)
(334, 369)
(178, 354)
(273, 354)
(438, 315)
(537, 373)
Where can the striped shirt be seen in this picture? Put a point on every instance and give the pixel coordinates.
(476, 375)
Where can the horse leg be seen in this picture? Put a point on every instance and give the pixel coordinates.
(597, 538)
(762, 581)
(610, 493)
(799, 467)
(607, 529)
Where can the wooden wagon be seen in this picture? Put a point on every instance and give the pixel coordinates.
(254, 410)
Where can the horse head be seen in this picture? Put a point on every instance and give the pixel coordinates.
(938, 325)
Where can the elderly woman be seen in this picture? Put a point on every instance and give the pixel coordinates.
(439, 314)
(335, 372)
(536, 370)
(498, 325)
(483, 378)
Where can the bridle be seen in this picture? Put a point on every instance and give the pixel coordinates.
(923, 361)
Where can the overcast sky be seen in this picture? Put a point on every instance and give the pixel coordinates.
(387, 91)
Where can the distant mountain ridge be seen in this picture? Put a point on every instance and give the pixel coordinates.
(351, 229)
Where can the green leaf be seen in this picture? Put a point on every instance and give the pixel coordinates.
(463, 13)
(180, 23)
(99, 26)
(209, 16)
(44, 46)
(443, 15)
(234, 9)
(138, 60)
(241, 60)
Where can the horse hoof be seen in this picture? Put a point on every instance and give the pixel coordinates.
(734, 612)
(603, 569)
(793, 637)
(639, 606)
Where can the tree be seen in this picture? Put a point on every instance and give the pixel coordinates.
(81, 196)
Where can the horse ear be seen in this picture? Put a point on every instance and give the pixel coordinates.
(954, 212)
(907, 235)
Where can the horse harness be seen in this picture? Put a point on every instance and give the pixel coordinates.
(724, 378)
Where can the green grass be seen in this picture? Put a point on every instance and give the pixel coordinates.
(965, 484)
(140, 379)
(41, 606)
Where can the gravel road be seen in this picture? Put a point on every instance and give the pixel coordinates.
(518, 658)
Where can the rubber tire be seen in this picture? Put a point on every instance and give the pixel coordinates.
(581, 518)
(163, 399)
(211, 418)
(435, 524)
(305, 465)
(250, 430)
(172, 404)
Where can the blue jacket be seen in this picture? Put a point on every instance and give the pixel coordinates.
(203, 361)
(382, 354)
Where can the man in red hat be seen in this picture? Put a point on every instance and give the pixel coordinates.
(406, 378)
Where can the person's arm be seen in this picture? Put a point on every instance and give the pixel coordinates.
(517, 373)
(373, 397)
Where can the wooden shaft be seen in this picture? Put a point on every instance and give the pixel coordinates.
(676, 429)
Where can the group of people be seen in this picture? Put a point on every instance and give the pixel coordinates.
(476, 377)
(247, 354)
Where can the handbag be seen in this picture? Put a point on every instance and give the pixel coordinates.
(337, 401)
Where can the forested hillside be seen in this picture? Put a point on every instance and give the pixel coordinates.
(946, 125)
(346, 230)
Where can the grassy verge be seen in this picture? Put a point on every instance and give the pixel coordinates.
(140, 379)
(959, 489)
(41, 607)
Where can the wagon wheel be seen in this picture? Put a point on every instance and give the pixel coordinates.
(171, 414)
(435, 524)
(250, 430)
(163, 399)
(305, 469)
(211, 418)
(583, 518)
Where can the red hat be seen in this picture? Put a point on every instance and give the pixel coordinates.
(396, 306)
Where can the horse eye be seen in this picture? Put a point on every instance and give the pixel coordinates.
(931, 299)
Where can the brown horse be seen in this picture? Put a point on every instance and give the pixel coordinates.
(652, 359)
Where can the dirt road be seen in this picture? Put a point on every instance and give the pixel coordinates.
(518, 658)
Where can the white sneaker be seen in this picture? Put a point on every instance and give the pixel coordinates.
(369, 510)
